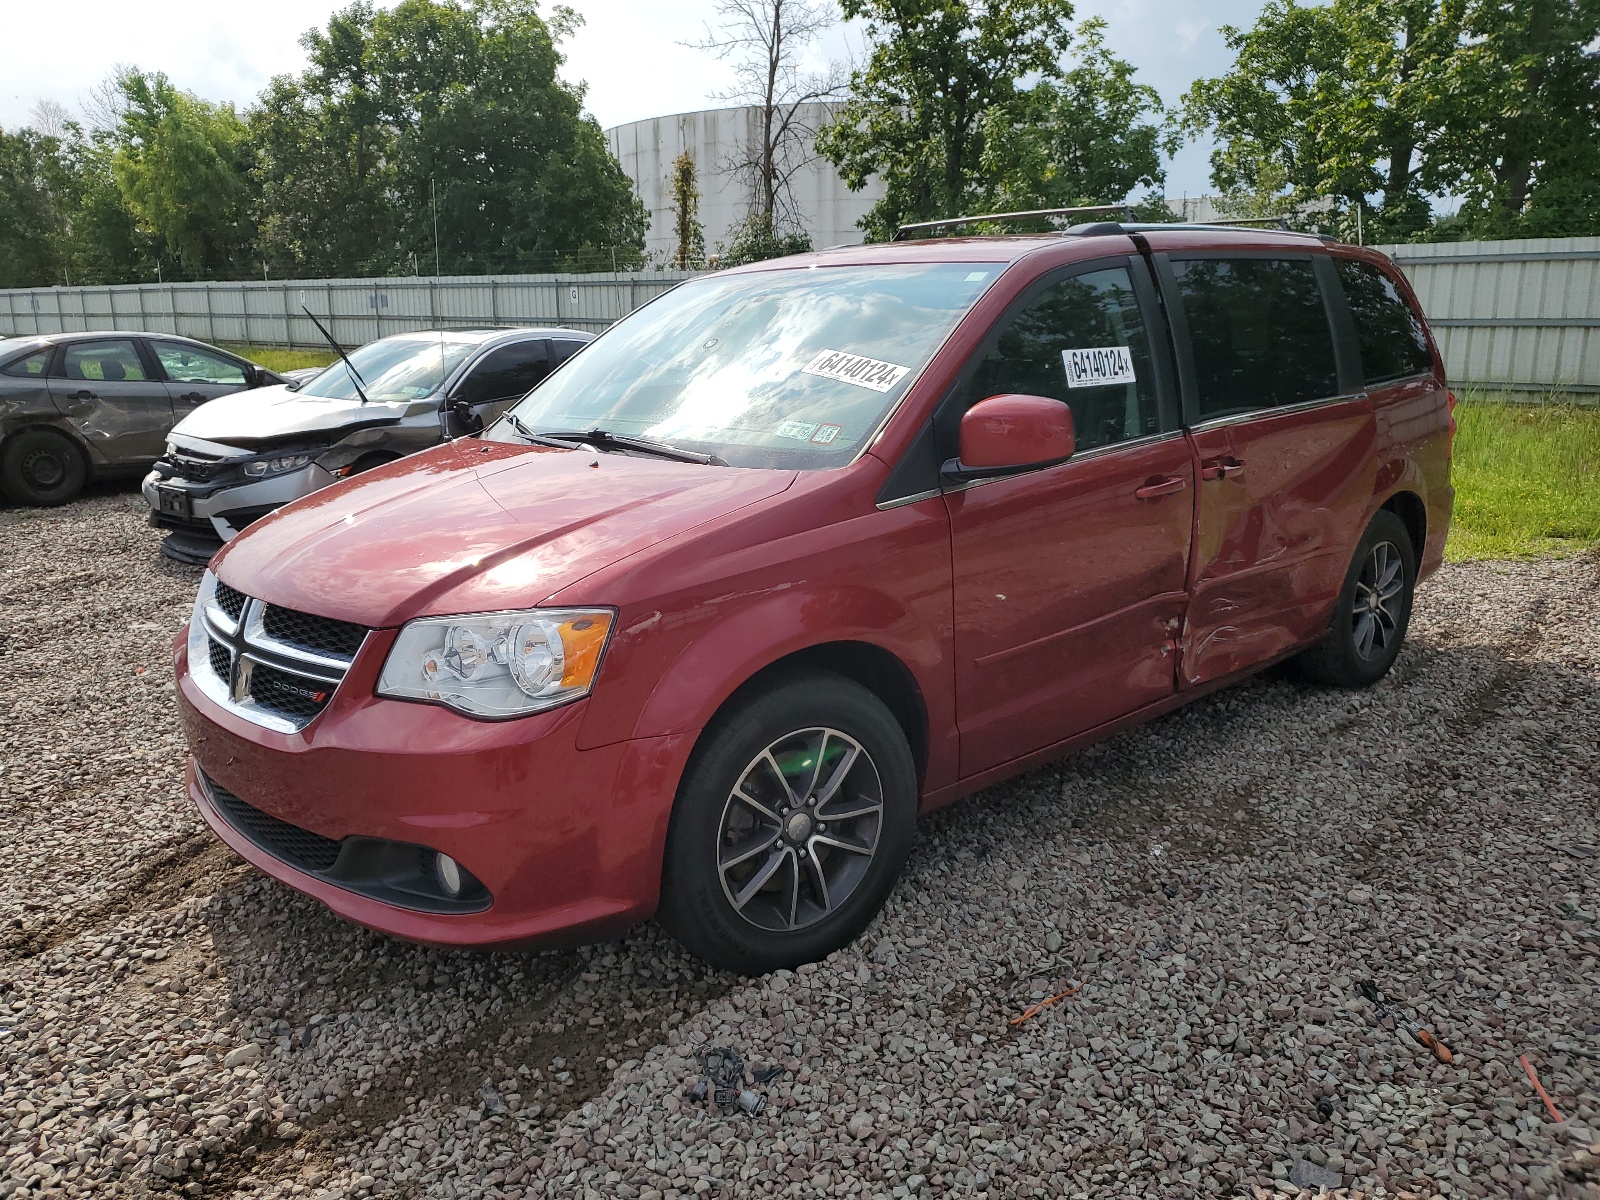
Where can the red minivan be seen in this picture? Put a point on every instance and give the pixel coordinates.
(799, 550)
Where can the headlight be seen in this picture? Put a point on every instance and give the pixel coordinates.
(276, 466)
(505, 664)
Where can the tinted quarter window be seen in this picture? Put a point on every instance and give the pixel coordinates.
(1260, 333)
(507, 373)
(31, 367)
(185, 364)
(1393, 341)
(103, 362)
(1082, 341)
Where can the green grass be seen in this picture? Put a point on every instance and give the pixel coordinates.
(1527, 479)
(277, 359)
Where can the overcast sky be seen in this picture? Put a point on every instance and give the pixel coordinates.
(628, 52)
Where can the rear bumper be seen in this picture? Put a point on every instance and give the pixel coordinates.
(567, 842)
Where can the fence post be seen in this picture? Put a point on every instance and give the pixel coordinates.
(494, 302)
(211, 320)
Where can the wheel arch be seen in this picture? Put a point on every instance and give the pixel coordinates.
(878, 670)
(1413, 514)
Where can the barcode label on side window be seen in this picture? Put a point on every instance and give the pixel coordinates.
(1097, 368)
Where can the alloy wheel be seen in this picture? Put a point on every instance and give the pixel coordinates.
(799, 829)
(1374, 616)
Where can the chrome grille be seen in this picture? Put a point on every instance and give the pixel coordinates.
(274, 666)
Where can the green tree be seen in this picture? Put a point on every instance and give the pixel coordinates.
(324, 160)
(1524, 151)
(182, 166)
(33, 217)
(941, 74)
(1333, 105)
(1395, 104)
(756, 239)
(454, 103)
(1085, 137)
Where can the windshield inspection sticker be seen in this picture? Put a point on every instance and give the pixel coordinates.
(800, 431)
(826, 434)
(856, 369)
(1097, 368)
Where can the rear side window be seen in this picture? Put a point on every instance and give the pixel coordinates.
(1260, 333)
(1393, 341)
(103, 362)
(185, 364)
(33, 366)
(1066, 344)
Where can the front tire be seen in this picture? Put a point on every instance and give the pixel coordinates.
(1373, 612)
(792, 823)
(41, 468)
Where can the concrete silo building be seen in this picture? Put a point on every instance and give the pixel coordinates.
(718, 139)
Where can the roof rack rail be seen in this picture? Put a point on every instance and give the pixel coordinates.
(1281, 221)
(947, 222)
(1099, 228)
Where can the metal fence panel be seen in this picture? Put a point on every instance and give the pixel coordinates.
(271, 312)
(1520, 315)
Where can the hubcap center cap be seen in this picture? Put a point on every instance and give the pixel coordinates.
(798, 827)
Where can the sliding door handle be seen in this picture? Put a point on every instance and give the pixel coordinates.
(1222, 468)
(1158, 486)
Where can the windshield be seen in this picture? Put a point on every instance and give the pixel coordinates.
(791, 368)
(407, 367)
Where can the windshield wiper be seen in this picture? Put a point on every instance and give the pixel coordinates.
(604, 439)
(538, 439)
(355, 375)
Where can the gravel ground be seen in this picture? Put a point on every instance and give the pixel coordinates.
(1213, 885)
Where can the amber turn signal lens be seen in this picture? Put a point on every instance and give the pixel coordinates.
(582, 639)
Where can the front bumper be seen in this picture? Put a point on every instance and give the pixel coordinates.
(567, 842)
(223, 509)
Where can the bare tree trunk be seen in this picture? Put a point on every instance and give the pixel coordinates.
(768, 150)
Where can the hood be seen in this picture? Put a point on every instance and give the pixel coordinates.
(474, 527)
(268, 416)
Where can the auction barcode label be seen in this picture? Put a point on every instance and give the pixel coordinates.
(856, 369)
(1096, 368)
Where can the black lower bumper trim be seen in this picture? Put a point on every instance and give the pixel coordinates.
(399, 873)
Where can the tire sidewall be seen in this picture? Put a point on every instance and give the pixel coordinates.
(1385, 526)
(20, 447)
(693, 905)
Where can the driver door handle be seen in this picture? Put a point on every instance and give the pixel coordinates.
(1158, 486)
(192, 396)
(85, 394)
(1221, 468)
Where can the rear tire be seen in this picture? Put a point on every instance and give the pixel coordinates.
(41, 468)
(792, 823)
(1373, 611)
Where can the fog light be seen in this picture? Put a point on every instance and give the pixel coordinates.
(448, 872)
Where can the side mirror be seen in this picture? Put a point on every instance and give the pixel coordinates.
(460, 421)
(1005, 435)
